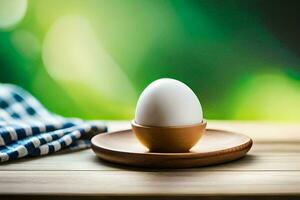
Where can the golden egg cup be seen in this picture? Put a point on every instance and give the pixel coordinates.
(172, 139)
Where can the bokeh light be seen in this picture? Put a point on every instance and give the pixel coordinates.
(26, 43)
(269, 95)
(73, 56)
(11, 12)
(91, 59)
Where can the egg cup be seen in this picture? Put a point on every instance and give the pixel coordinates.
(172, 139)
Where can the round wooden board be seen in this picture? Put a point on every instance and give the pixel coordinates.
(215, 147)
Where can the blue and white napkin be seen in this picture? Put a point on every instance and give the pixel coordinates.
(28, 129)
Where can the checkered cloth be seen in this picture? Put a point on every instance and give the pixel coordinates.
(28, 129)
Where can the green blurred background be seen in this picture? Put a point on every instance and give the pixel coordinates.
(92, 58)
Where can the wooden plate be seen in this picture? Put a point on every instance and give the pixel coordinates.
(215, 147)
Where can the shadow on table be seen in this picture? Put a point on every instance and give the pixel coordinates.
(231, 165)
(236, 165)
(30, 158)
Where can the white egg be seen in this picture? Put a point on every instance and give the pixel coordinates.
(168, 102)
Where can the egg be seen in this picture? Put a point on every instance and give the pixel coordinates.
(168, 102)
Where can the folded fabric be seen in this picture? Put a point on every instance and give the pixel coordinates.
(28, 129)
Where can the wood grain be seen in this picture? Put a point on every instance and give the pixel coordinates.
(149, 183)
(271, 169)
(86, 160)
(261, 131)
(215, 147)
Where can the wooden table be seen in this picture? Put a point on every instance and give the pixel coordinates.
(271, 170)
